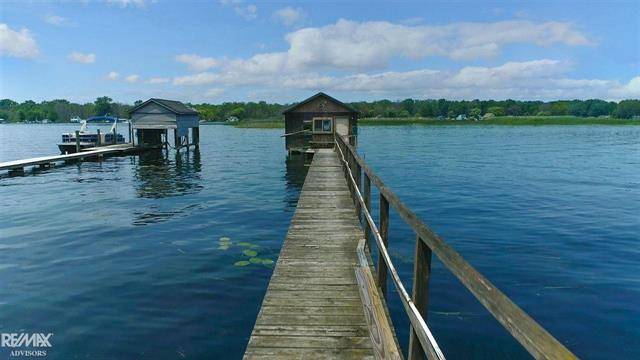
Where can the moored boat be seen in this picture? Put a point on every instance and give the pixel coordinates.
(89, 139)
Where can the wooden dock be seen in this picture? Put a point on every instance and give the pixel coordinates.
(323, 301)
(43, 161)
(312, 309)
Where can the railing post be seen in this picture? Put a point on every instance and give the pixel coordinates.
(384, 234)
(367, 203)
(420, 297)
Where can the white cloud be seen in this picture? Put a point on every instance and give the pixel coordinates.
(196, 79)
(125, 3)
(112, 75)
(158, 80)
(82, 58)
(350, 45)
(366, 45)
(541, 79)
(214, 92)
(133, 78)
(248, 12)
(56, 20)
(198, 63)
(290, 16)
(630, 90)
(18, 44)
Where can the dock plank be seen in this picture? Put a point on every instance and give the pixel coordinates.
(312, 308)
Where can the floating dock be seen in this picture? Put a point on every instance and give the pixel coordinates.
(46, 161)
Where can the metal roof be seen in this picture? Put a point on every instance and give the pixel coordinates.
(174, 106)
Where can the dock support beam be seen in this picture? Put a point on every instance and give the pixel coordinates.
(77, 141)
(196, 136)
(99, 142)
(420, 296)
(384, 234)
(176, 139)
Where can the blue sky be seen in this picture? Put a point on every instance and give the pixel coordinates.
(216, 51)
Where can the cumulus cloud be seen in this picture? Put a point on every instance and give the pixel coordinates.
(20, 44)
(198, 63)
(158, 80)
(248, 12)
(133, 78)
(112, 75)
(542, 79)
(290, 16)
(364, 46)
(82, 58)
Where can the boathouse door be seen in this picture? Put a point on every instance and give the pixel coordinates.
(342, 125)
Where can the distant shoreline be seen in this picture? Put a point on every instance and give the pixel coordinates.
(503, 120)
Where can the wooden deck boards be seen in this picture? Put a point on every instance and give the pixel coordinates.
(312, 309)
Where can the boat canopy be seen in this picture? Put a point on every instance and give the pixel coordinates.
(104, 118)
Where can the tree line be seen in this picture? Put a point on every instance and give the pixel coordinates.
(63, 110)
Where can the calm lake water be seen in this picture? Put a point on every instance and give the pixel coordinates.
(122, 259)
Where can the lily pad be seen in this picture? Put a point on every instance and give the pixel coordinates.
(241, 263)
(223, 247)
(250, 253)
(224, 239)
(245, 244)
(255, 260)
(267, 261)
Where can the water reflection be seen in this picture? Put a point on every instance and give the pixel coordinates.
(161, 174)
(296, 171)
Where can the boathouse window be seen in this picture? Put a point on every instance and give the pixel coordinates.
(323, 125)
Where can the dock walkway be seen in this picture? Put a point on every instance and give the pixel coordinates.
(47, 160)
(312, 309)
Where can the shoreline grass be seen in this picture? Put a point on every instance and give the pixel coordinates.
(502, 120)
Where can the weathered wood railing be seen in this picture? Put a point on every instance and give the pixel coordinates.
(535, 339)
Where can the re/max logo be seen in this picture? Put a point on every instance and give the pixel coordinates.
(25, 339)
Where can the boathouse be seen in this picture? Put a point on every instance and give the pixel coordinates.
(152, 120)
(312, 123)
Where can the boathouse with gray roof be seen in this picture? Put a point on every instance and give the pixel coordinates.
(151, 121)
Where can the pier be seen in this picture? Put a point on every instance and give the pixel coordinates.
(326, 297)
(47, 161)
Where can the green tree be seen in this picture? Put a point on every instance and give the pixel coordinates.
(103, 105)
(627, 109)
(496, 110)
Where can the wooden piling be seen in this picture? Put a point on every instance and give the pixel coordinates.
(77, 141)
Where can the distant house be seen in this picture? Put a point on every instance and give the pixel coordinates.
(153, 118)
(312, 123)
(232, 119)
(461, 117)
